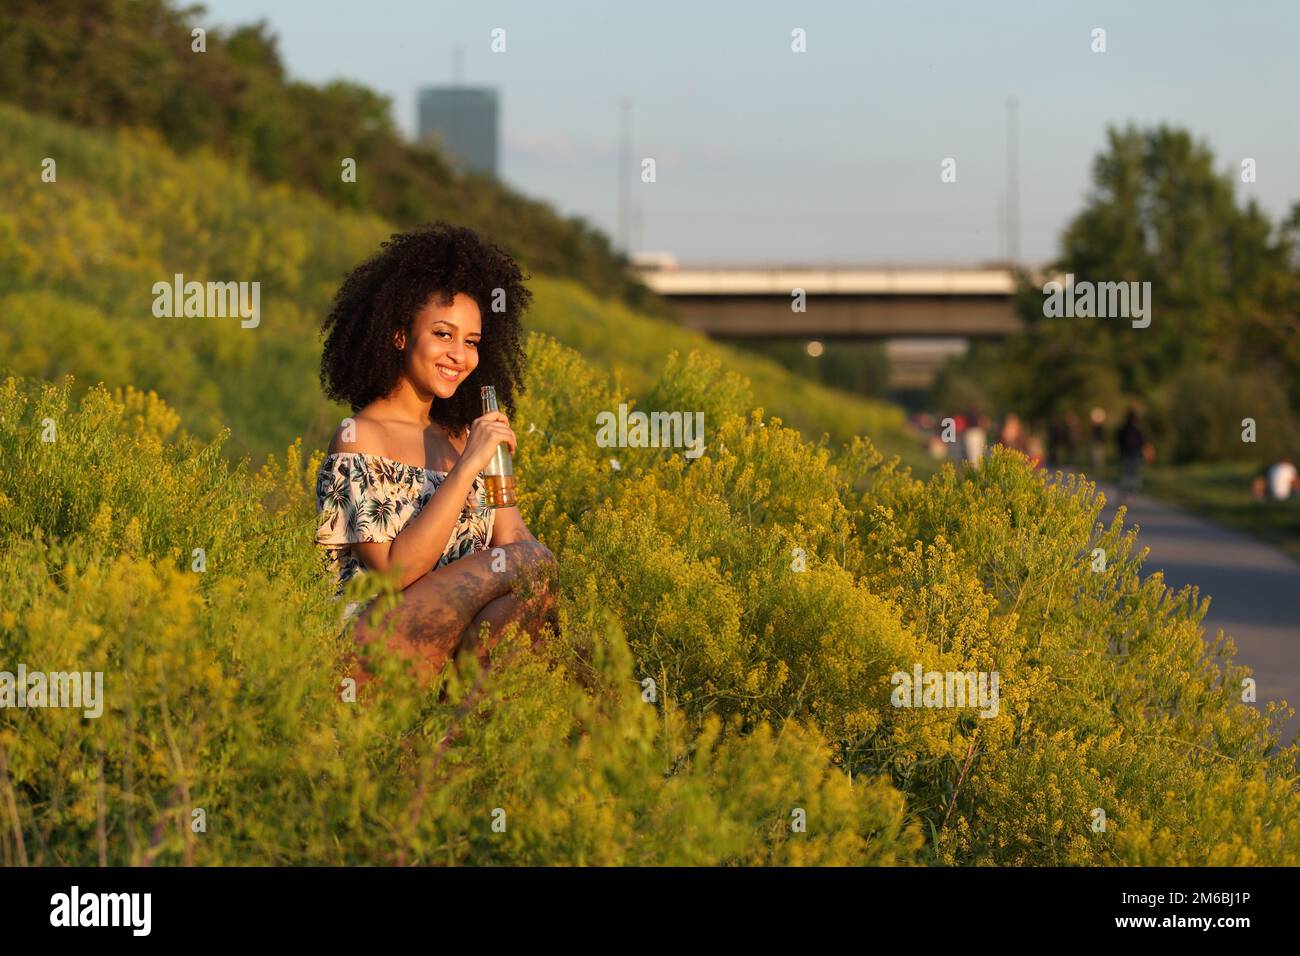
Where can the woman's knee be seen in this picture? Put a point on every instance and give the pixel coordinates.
(531, 558)
(528, 551)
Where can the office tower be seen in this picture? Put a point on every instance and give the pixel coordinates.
(464, 121)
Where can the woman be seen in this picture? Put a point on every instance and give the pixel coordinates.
(412, 334)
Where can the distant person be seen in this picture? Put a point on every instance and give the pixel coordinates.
(974, 439)
(1062, 439)
(955, 449)
(1071, 438)
(1013, 433)
(1034, 449)
(1278, 482)
(1056, 440)
(1131, 443)
(1097, 439)
(1283, 480)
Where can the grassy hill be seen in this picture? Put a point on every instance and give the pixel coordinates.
(79, 257)
(134, 65)
(771, 592)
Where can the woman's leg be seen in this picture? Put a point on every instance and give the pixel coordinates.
(435, 611)
(530, 610)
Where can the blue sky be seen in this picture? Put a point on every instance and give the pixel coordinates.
(830, 156)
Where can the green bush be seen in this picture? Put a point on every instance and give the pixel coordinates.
(764, 594)
(1204, 407)
(223, 693)
(729, 628)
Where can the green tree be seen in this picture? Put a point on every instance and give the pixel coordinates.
(1225, 296)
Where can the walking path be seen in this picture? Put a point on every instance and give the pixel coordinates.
(1254, 589)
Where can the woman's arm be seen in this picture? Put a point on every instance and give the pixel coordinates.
(508, 527)
(419, 545)
(414, 551)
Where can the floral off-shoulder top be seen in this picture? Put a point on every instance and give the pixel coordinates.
(362, 497)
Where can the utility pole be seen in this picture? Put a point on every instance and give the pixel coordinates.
(1013, 182)
(624, 172)
(1002, 228)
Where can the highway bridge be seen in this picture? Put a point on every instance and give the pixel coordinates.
(949, 306)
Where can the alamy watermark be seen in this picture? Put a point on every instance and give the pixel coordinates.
(1098, 300)
(79, 690)
(210, 300)
(75, 908)
(652, 430)
(923, 688)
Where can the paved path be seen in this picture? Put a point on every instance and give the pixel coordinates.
(1254, 589)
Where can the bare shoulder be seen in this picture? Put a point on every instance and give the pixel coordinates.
(360, 434)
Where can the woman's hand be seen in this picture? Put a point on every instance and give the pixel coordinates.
(485, 434)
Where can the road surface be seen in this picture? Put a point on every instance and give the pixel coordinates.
(1254, 590)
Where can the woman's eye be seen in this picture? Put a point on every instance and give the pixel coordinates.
(442, 332)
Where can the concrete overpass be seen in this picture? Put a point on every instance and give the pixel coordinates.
(898, 305)
(857, 303)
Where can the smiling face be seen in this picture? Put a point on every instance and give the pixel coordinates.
(442, 347)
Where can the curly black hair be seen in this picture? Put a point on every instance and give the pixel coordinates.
(360, 362)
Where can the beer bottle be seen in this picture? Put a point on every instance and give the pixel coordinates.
(499, 475)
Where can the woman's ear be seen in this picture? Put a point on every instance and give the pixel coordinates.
(399, 339)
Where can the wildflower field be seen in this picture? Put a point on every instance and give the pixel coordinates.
(723, 687)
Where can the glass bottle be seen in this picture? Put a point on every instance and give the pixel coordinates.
(499, 475)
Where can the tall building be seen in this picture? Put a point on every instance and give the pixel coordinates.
(464, 120)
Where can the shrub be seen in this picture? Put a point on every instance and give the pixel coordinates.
(223, 694)
(730, 625)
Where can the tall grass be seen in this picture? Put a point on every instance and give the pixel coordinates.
(720, 691)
